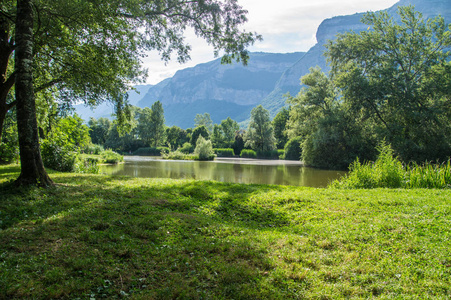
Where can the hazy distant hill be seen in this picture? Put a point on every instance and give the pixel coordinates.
(221, 90)
(233, 90)
(106, 109)
(290, 79)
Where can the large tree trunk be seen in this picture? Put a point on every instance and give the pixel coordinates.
(32, 167)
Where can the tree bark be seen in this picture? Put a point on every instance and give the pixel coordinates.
(32, 167)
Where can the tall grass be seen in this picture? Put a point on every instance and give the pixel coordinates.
(389, 172)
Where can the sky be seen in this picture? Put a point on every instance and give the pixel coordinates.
(286, 26)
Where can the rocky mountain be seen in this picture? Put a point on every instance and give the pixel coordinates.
(233, 90)
(221, 90)
(329, 28)
(105, 110)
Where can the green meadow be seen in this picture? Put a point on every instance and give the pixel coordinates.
(103, 237)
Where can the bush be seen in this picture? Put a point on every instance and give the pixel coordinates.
(86, 166)
(204, 150)
(9, 153)
(270, 154)
(228, 152)
(57, 156)
(111, 157)
(247, 153)
(186, 148)
(293, 149)
(177, 155)
(93, 149)
(151, 151)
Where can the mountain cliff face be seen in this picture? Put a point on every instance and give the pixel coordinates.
(329, 28)
(233, 90)
(221, 90)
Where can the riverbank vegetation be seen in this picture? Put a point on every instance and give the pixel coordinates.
(96, 236)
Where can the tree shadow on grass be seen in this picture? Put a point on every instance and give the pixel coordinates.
(160, 239)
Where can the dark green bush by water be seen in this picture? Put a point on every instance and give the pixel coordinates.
(228, 152)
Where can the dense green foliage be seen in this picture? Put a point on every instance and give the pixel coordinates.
(389, 172)
(197, 132)
(95, 236)
(386, 83)
(394, 80)
(260, 133)
(228, 152)
(204, 149)
(279, 124)
(111, 157)
(248, 153)
(293, 148)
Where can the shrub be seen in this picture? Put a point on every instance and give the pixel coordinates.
(204, 150)
(57, 156)
(293, 149)
(9, 153)
(111, 157)
(247, 153)
(270, 154)
(148, 151)
(86, 166)
(93, 149)
(177, 155)
(228, 152)
(186, 148)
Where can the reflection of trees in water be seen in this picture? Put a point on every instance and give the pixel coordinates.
(224, 172)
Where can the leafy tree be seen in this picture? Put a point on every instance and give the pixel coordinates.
(32, 167)
(394, 75)
(217, 137)
(143, 127)
(99, 130)
(176, 137)
(156, 125)
(331, 138)
(77, 133)
(204, 120)
(104, 43)
(229, 128)
(260, 133)
(238, 143)
(279, 123)
(203, 149)
(199, 131)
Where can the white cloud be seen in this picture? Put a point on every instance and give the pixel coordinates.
(286, 26)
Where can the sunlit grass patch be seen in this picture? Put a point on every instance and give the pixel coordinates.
(96, 236)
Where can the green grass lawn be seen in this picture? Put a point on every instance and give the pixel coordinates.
(96, 236)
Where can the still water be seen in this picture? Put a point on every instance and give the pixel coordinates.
(225, 170)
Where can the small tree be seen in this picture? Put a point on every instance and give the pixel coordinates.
(199, 131)
(260, 133)
(280, 123)
(204, 120)
(156, 125)
(203, 150)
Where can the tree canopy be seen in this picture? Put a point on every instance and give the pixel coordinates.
(394, 74)
(260, 133)
(91, 51)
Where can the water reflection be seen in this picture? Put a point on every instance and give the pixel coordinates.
(237, 171)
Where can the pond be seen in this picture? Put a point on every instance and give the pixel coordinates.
(225, 170)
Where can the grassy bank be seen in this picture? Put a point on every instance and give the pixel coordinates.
(94, 236)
